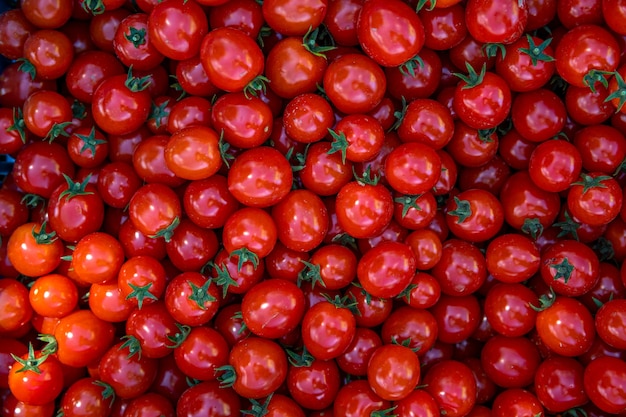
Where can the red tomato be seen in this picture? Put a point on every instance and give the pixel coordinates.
(393, 372)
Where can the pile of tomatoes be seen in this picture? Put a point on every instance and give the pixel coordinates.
(294, 208)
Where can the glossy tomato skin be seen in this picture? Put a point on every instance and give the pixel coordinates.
(85, 398)
(475, 215)
(452, 385)
(36, 386)
(293, 18)
(601, 377)
(176, 28)
(208, 202)
(314, 386)
(554, 165)
(512, 258)
(16, 309)
(412, 168)
(507, 20)
(208, 398)
(393, 372)
(82, 338)
(559, 384)
(510, 362)
(516, 401)
(556, 268)
(154, 208)
(485, 105)
(243, 121)
(389, 32)
(572, 340)
(356, 398)
(461, 269)
(129, 375)
(364, 210)
(33, 249)
(327, 330)
(585, 48)
(133, 45)
(260, 367)
(231, 58)
(354, 83)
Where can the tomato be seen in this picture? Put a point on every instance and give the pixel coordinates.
(389, 44)
(461, 269)
(510, 362)
(412, 326)
(516, 401)
(412, 168)
(150, 404)
(87, 397)
(293, 67)
(559, 384)
(97, 258)
(512, 258)
(33, 250)
(354, 83)
(53, 295)
(313, 383)
(584, 53)
(260, 177)
(457, 317)
(576, 331)
(538, 115)
(130, 375)
(176, 28)
(475, 215)
(294, 18)
(36, 378)
(249, 233)
(15, 28)
(324, 171)
(364, 210)
(327, 329)
(48, 14)
(16, 309)
(356, 398)
(208, 202)
(393, 372)
(47, 54)
(452, 385)
(595, 199)
(244, 122)
(257, 368)
(602, 148)
(482, 100)
(155, 210)
(133, 45)
(554, 165)
(208, 398)
(231, 59)
(604, 380)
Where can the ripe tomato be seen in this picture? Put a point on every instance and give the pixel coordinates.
(327, 329)
(294, 18)
(16, 311)
(356, 398)
(36, 378)
(389, 32)
(452, 385)
(257, 368)
(243, 121)
(130, 375)
(155, 210)
(193, 153)
(97, 258)
(595, 199)
(570, 267)
(387, 269)
(208, 398)
(393, 372)
(53, 295)
(364, 210)
(133, 45)
(412, 168)
(559, 384)
(475, 215)
(604, 380)
(87, 397)
(33, 250)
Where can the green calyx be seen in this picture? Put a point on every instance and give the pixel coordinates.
(299, 359)
(177, 87)
(132, 344)
(588, 182)
(596, 76)
(399, 115)
(158, 113)
(491, 50)
(259, 83)
(51, 345)
(242, 323)
(245, 255)
(568, 226)
(108, 393)
(408, 68)
(75, 188)
(27, 67)
(57, 129)
(79, 111)
(388, 412)
(563, 270)
(258, 409)
(472, 79)
(200, 295)
(347, 302)
(136, 36)
(141, 293)
(421, 3)
(42, 237)
(93, 7)
(31, 363)
(18, 124)
(90, 142)
(406, 293)
(223, 278)
(167, 232)
(620, 93)
(487, 135)
(536, 52)
(311, 273)
(227, 377)
(135, 84)
(180, 336)
(545, 301)
(339, 144)
(344, 239)
(318, 41)
(366, 178)
(408, 202)
(463, 210)
(532, 227)
(224, 147)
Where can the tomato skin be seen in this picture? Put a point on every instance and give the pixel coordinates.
(15, 29)
(538, 115)
(286, 308)
(260, 366)
(82, 338)
(176, 28)
(507, 20)
(485, 105)
(133, 45)
(585, 48)
(294, 18)
(308, 233)
(37, 387)
(412, 168)
(416, 325)
(485, 217)
(28, 255)
(610, 323)
(260, 177)
(604, 381)
(576, 333)
(554, 165)
(314, 386)
(452, 385)
(129, 375)
(461, 269)
(16, 309)
(201, 353)
(554, 269)
(457, 317)
(516, 401)
(209, 399)
(354, 83)
(510, 362)
(193, 153)
(356, 398)
(327, 330)
(559, 384)
(393, 372)
(245, 122)
(389, 44)
(596, 204)
(363, 210)
(84, 398)
(53, 295)
(231, 58)
(512, 258)
(97, 258)
(154, 208)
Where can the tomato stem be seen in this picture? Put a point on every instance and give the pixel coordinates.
(545, 301)
(75, 188)
(463, 210)
(408, 68)
(532, 227)
(157, 113)
(536, 52)
(588, 182)
(18, 124)
(136, 37)
(180, 336)
(51, 345)
(42, 237)
(472, 79)
(31, 363)
(107, 391)
(301, 359)
(228, 376)
(258, 409)
(57, 129)
(339, 144)
(167, 232)
(135, 84)
(311, 273)
(568, 226)
(141, 293)
(93, 7)
(563, 269)
(408, 202)
(27, 67)
(200, 295)
(132, 344)
(311, 41)
(620, 93)
(223, 278)
(491, 50)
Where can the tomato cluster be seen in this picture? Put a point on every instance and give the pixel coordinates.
(292, 208)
